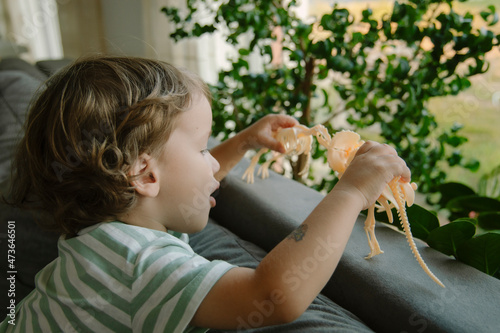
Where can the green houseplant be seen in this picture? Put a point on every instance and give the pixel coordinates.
(473, 233)
(376, 73)
(379, 74)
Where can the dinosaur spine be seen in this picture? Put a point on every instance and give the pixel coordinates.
(396, 189)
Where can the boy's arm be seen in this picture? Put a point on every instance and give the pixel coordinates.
(259, 135)
(294, 272)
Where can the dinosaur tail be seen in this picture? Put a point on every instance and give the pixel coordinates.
(396, 190)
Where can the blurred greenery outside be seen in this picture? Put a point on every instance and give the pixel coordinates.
(477, 108)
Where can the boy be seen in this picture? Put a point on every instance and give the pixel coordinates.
(114, 151)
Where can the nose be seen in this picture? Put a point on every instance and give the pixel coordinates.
(215, 164)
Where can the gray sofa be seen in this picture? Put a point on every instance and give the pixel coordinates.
(390, 292)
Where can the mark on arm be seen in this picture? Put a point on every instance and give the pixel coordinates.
(299, 233)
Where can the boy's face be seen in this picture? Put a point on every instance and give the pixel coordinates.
(187, 170)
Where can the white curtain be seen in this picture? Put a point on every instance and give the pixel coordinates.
(33, 24)
(125, 27)
(205, 55)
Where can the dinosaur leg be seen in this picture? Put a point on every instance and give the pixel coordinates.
(387, 207)
(264, 168)
(370, 233)
(248, 175)
(305, 168)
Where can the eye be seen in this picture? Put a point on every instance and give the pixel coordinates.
(205, 151)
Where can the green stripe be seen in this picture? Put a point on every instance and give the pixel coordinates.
(153, 285)
(120, 302)
(188, 285)
(188, 293)
(81, 301)
(97, 259)
(21, 321)
(34, 318)
(71, 318)
(164, 251)
(134, 233)
(46, 312)
(105, 239)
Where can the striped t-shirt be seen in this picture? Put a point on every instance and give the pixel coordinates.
(115, 277)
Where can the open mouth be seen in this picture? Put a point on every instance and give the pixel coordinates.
(214, 194)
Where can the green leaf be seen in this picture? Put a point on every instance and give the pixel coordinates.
(482, 252)
(341, 63)
(456, 140)
(244, 52)
(466, 219)
(422, 221)
(492, 13)
(489, 220)
(473, 203)
(449, 237)
(472, 164)
(489, 184)
(452, 190)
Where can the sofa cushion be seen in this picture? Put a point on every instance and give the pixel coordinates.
(16, 90)
(49, 67)
(34, 249)
(323, 315)
(17, 64)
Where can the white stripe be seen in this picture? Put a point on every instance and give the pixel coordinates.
(84, 317)
(152, 271)
(42, 320)
(165, 314)
(205, 286)
(121, 237)
(41, 283)
(163, 291)
(65, 298)
(145, 232)
(170, 240)
(95, 300)
(105, 252)
(61, 292)
(44, 275)
(113, 285)
(25, 312)
(59, 317)
(57, 312)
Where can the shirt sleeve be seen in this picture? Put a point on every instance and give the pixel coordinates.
(170, 282)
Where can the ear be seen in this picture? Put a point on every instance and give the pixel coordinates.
(144, 174)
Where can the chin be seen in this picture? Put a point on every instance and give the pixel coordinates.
(195, 225)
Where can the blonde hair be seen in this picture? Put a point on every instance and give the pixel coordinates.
(86, 127)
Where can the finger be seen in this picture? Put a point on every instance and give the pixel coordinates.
(400, 168)
(273, 144)
(376, 147)
(283, 121)
(367, 146)
(406, 174)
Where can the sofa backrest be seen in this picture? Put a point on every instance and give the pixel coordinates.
(35, 248)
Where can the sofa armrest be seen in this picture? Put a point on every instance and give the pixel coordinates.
(389, 292)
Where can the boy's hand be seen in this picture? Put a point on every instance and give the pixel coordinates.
(259, 135)
(262, 133)
(373, 167)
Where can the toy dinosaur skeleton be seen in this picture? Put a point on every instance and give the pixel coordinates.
(341, 149)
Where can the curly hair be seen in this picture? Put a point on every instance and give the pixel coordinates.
(84, 130)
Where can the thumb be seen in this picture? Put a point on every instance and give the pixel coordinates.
(273, 144)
